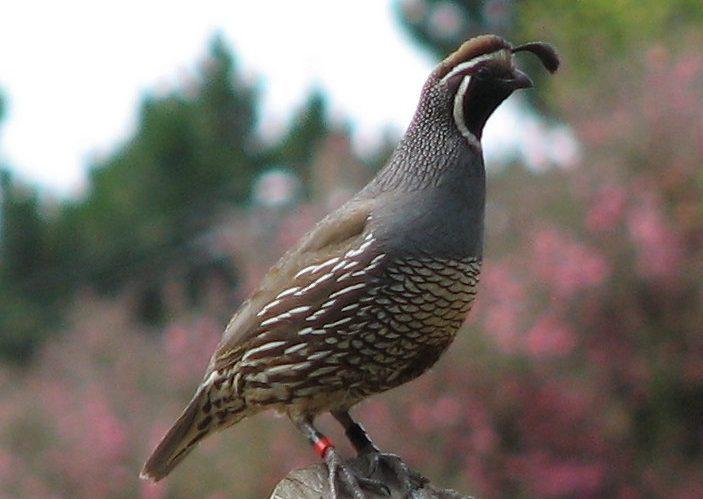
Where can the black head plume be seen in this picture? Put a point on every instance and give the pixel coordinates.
(545, 52)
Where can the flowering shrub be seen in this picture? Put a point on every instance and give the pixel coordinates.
(579, 373)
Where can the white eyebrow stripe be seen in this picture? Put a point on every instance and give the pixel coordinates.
(468, 65)
(459, 113)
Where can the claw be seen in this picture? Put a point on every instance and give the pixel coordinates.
(335, 468)
(409, 479)
(353, 482)
(375, 486)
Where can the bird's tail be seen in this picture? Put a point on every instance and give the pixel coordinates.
(198, 420)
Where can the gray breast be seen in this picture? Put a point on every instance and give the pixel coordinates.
(442, 221)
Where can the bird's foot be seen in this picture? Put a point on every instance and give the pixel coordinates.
(410, 480)
(353, 481)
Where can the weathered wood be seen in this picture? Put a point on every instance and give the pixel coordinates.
(312, 483)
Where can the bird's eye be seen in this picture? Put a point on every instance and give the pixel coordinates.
(482, 74)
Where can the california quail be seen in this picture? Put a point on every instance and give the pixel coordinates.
(373, 295)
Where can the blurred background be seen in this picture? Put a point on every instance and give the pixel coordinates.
(154, 161)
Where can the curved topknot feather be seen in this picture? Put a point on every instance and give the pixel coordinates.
(545, 52)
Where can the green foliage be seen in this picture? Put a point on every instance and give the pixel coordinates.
(195, 152)
(22, 230)
(27, 300)
(589, 34)
(191, 154)
(308, 127)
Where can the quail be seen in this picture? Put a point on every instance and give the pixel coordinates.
(373, 295)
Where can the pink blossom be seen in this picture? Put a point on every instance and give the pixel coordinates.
(447, 411)
(549, 337)
(190, 347)
(559, 479)
(566, 265)
(176, 339)
(445, 20)
(110, 433)
(658, 248)
(502, 297)
(483, 439)
(606, 209)
(502, 323)
(421, 416)
(6, 465)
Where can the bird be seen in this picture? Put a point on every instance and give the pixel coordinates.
(374, 294)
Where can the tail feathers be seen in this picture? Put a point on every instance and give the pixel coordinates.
(177, 442)
(196, 421)
(201, 417)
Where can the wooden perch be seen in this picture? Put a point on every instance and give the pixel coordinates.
(312, 483)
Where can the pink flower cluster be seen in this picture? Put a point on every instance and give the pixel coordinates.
(566, 266)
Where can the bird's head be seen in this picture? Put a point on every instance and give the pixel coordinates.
(473, 81)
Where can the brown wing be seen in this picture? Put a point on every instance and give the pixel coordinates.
(294, 284)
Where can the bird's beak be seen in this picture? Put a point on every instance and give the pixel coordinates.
(519, 80)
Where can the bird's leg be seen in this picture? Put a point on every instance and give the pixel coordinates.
(336, 468)
(410, 480)
(355, 433)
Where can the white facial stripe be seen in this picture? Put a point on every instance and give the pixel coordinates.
(459, 112)
(468, 65)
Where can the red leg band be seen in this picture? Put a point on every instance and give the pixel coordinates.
(322, 446)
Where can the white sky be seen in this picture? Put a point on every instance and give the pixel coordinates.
(72, 72)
